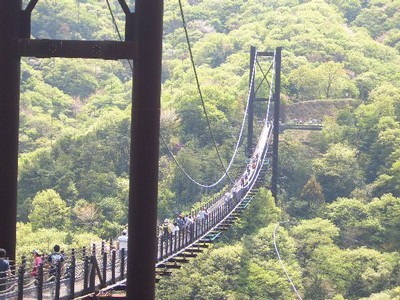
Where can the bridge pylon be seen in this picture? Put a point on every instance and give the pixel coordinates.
(276, 67)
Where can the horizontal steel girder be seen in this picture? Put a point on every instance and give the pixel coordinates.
(112, 50)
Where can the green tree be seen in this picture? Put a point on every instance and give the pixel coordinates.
(261, 213)
(109, 230)
(333, 80)
(211, 276)
(338, 171)
(349, 8)
(49, 211)
(357, 226)
(386, 210)
(295, 167)
(313, 194)
(311, 234)
(261, 273)
(355, 273)
(305, 82)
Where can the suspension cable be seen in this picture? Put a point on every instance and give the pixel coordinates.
(282, 265)
(161, 135)
(204, 109)
(239, 139)
(200, 93)
(117, 29)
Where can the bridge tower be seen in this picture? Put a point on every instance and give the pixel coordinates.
(143, 39)
(276, 100)
(277, 104)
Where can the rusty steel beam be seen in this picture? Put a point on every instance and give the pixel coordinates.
(76, 49)
(9, 122)
(143, 188)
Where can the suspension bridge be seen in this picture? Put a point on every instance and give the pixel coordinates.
(89, 270)
(93, 269)
(149, 256)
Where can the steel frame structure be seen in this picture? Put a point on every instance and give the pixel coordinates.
(277, 55)
(143, 43)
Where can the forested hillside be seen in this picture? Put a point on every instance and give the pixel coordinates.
(339, 193)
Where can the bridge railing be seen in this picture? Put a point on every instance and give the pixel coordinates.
(81, 273)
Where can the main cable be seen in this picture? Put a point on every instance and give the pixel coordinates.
(282, 265)
(161, 135)
(209, 126)
(239, 139)
(200, 93)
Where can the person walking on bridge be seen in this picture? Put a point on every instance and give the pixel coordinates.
(54, 259)
(4, 269)
(202, 215)
(37, 260)
(123, 242)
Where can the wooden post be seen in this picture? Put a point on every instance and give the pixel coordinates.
(72, 272)
(39, 286)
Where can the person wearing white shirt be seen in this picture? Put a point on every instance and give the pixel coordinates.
(123, 242)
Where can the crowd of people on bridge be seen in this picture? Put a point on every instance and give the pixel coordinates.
(49, 262)
(169, 226)
(182, 221)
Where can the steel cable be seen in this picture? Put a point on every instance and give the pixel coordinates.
(200, 93)
(283, 266)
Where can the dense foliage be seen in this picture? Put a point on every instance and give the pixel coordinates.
(340, 191)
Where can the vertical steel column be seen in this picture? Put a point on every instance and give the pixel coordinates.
(142, 243)
(251, 104)
(277, 101)
(9, 121)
